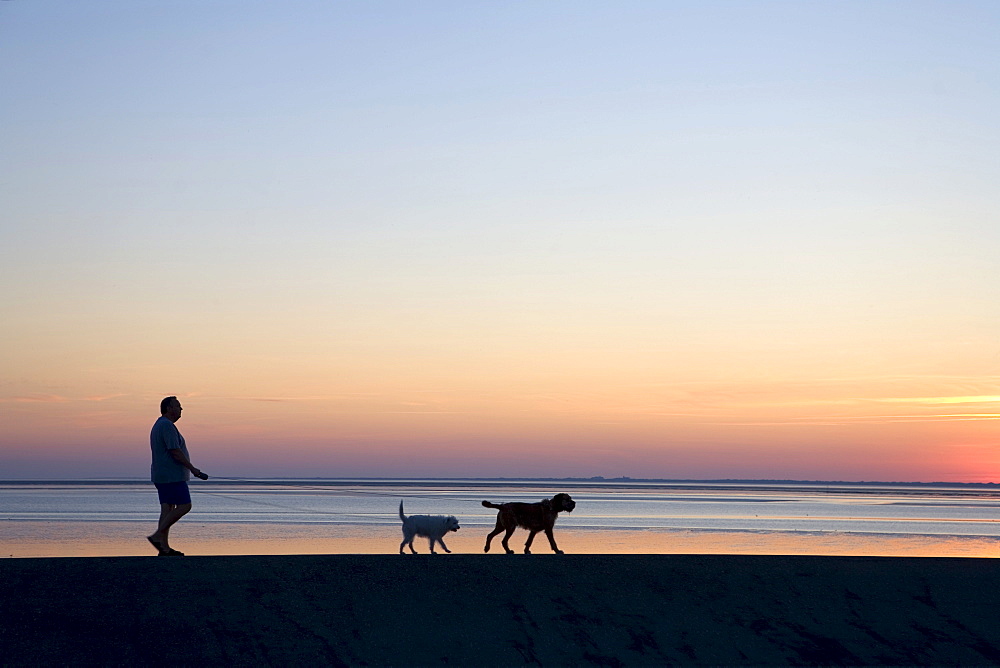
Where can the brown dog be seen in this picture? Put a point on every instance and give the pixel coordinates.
(534, 517)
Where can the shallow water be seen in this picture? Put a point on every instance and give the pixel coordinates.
(84, 518)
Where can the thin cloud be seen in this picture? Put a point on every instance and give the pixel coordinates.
(975, 399)
(56, 398)
(37, 399)
(418, 413)
(303, 398)
(868, 419)
(104, 397)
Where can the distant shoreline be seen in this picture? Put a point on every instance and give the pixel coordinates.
(597, 480)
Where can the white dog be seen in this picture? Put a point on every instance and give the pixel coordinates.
(433, 527)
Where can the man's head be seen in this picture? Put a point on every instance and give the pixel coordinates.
(171, 409)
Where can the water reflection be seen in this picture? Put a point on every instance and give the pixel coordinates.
(359, 517)
(66, 539)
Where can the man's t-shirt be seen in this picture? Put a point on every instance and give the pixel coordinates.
(163, 438)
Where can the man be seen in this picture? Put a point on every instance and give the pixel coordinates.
(170, 471)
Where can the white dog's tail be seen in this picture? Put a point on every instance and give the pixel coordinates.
(401, 515)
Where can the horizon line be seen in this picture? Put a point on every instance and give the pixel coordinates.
(591, 479)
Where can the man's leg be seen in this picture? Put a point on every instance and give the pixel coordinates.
(169, 514)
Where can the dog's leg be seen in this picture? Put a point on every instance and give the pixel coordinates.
(527, 545)
(430, 539)
(506, 537)
(493, 533)
(443, 546)
(552, 541)
(406, 538)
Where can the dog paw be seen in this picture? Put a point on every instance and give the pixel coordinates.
(560, 552)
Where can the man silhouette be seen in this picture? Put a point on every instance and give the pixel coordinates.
(170, 470)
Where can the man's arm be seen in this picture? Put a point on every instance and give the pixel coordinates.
(179, 457)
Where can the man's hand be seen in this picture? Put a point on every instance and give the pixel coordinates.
(199, 474)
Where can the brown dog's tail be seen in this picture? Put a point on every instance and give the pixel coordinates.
(491, 505)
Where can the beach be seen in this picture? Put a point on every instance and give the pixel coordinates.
(498, 610)
(112, 518)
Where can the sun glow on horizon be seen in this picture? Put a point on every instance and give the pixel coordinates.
(699, 240)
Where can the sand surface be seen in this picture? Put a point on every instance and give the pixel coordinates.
(470, 610)
(128, 539)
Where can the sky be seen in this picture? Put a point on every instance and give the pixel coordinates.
(684, 240)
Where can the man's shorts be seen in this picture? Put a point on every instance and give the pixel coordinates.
(174, 493)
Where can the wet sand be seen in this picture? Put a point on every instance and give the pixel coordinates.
(471, 610)
(127, 539)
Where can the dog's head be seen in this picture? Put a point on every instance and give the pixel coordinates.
(451, 523)
(561, 502)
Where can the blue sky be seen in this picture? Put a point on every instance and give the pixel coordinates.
(532, 213)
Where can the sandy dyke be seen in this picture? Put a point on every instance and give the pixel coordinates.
(498, 610)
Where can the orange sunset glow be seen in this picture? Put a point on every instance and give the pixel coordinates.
(655, 240)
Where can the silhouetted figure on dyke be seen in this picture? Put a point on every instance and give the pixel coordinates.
(170, 471)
